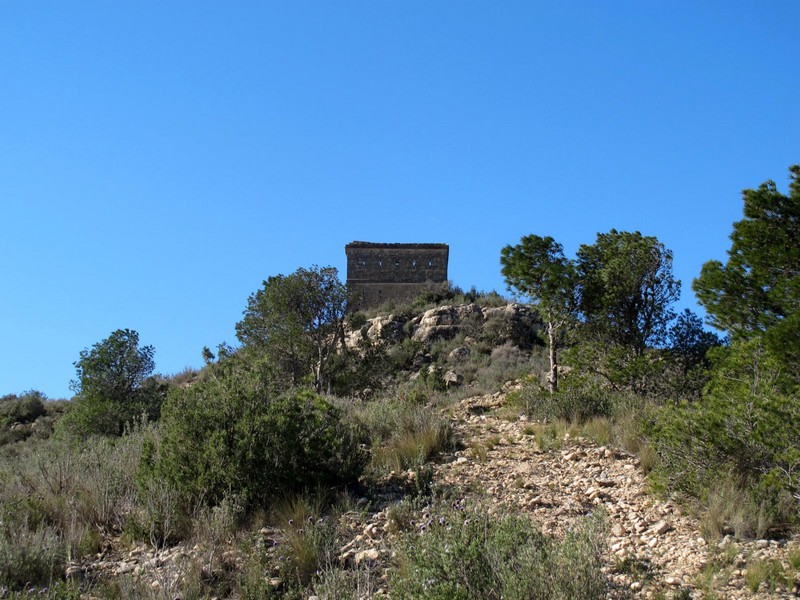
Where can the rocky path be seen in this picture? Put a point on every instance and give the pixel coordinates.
(655, 550)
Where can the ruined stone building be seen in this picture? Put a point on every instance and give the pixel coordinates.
(380, 272)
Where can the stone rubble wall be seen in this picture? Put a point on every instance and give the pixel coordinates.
(380, 272)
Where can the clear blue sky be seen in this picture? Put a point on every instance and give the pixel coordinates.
(159, 160)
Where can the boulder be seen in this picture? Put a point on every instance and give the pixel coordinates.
(460, 353)
(387, 329)
(453, 379)
(515, 323)
(436, 324)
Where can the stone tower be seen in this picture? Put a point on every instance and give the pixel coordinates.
(380, 272)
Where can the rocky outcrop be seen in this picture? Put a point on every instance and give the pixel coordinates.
(437, 323)
(387, 329)
(514, 323)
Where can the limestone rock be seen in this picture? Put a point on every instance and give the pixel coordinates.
(369, 556)
(390, 329)
(453, 379)
(460, 353)
(437, 323)
(514, 323)
(661, 527)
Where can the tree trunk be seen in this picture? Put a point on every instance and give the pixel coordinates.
(552, 376)
(318, 383)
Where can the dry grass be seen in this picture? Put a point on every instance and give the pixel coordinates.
(731, 509)
(766, 575)
(600, 429)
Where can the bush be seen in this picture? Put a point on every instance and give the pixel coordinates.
(456, 554)
(575, 405)
(744, 429)
(29, 555)
(230, 435)
(404, 434)
(23, 409)
(72, 492)
(351, 371)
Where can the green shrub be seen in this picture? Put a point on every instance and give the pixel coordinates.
(231, 435)
(743, 429)
(23, 409)
(351, 371)
(468, 554)
(114, 387)
(356, 321)
(403, 355)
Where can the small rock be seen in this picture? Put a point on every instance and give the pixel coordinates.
(73, 571)
(453, 379)
(369, 556)
(460, 353)
(726, 541)
(617, 530)
(371, 531)
(661, 527)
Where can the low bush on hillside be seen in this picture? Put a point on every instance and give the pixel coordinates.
(28, 415)
(743, 431)
(22, 409)
(456, 553)
(404, 432)
(58, 498)
(232, 435)
(577, 404)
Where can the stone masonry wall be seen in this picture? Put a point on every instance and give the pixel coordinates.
(380, 272)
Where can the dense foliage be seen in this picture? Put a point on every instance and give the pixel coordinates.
(744, 425)
(743, 428)
(461, 554)
(114, 386)
(757, 290)
(627, 289)
(298, 321)
(233, 434)
(615, 298)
